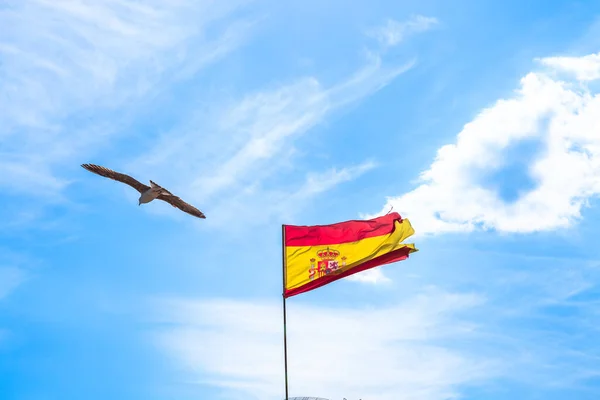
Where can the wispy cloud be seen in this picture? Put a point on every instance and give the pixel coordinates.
(257, 130)
(393, 32)
(236, 345)
(234, 152)
(317, 183)
(562, 116)
(283, 203)
(74, 73)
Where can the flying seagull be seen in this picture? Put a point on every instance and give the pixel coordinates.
(147, 193)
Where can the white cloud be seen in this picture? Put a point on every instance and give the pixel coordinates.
(371, 276)
(563, 115)
(586, 68)
(394, 32)
(73, 72)
(332, 352)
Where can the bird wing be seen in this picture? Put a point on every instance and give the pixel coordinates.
(117, 176)
(182, 205)
(155, 185)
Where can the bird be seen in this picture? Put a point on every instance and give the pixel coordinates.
(147, 193)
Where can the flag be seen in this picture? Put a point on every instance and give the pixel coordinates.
(320, 254)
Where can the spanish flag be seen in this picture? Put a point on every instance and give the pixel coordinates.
(317, 255)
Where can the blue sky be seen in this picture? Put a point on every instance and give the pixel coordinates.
(477, 120)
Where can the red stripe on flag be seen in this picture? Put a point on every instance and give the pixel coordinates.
(341, 232)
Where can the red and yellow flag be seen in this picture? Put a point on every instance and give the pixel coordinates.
(317, 255)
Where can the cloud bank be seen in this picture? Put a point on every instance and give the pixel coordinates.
(560, 110)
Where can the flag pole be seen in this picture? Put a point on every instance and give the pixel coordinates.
(284, 311)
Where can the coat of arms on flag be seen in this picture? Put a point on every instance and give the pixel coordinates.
(329, 262)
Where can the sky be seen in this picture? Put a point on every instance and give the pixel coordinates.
(478, 121)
